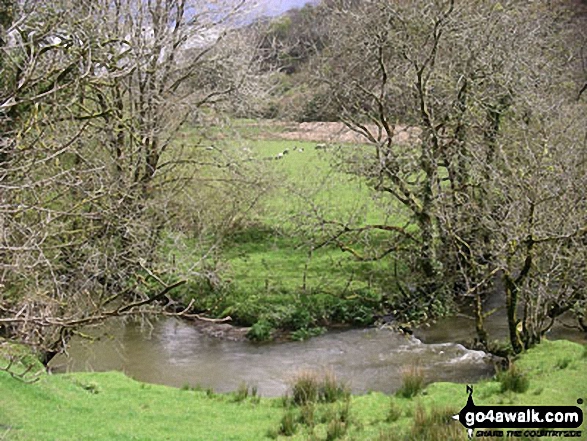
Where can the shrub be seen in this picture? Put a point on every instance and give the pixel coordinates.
(412, 382)
(513, 379)
(260, 331)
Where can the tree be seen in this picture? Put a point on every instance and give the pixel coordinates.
(92, 97)
(484, 88)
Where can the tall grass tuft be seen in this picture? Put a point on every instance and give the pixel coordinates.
(312, 387)
(412, 382)
(338, 420)
(242, 393)
(305, 388)
(513, 379)
(307, 415)
(336, 429)
(288, 424)
(331, 390)
(245, 391)
(394, 413)
(437, 425)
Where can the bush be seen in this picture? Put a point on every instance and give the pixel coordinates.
(260, 331)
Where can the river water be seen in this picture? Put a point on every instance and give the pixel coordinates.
(176, 353)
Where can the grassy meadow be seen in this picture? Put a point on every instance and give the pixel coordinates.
(111, 406)
(278, 271)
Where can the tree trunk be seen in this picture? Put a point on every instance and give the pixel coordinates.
(511, 292)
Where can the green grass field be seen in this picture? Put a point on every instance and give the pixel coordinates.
(111, 406)
(279, 260)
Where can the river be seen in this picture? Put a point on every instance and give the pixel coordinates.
(176, 353)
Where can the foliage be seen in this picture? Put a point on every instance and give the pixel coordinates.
(260, 331)
(306, 333)
(292, 39)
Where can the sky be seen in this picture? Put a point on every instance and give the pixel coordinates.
(276, 7)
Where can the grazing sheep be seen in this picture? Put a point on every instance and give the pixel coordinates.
(301, 150)
(279, 156)
(320, 146)
(209, 148)
(286, 151)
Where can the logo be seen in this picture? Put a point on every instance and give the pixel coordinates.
(541, 419)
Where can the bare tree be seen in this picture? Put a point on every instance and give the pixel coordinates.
(484, 90)
(92, 97)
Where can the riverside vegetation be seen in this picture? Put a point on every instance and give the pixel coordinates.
(114, 407)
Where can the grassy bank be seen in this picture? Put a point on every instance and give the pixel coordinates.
(111, 406)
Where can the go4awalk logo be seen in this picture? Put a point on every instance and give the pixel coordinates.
(517, 421)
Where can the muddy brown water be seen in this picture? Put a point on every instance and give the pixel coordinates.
(176, 353)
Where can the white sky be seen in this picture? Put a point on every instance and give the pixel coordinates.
(276, 7)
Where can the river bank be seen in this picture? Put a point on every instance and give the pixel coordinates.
(107, 406)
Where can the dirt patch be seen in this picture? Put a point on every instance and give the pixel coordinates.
(332, 132)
